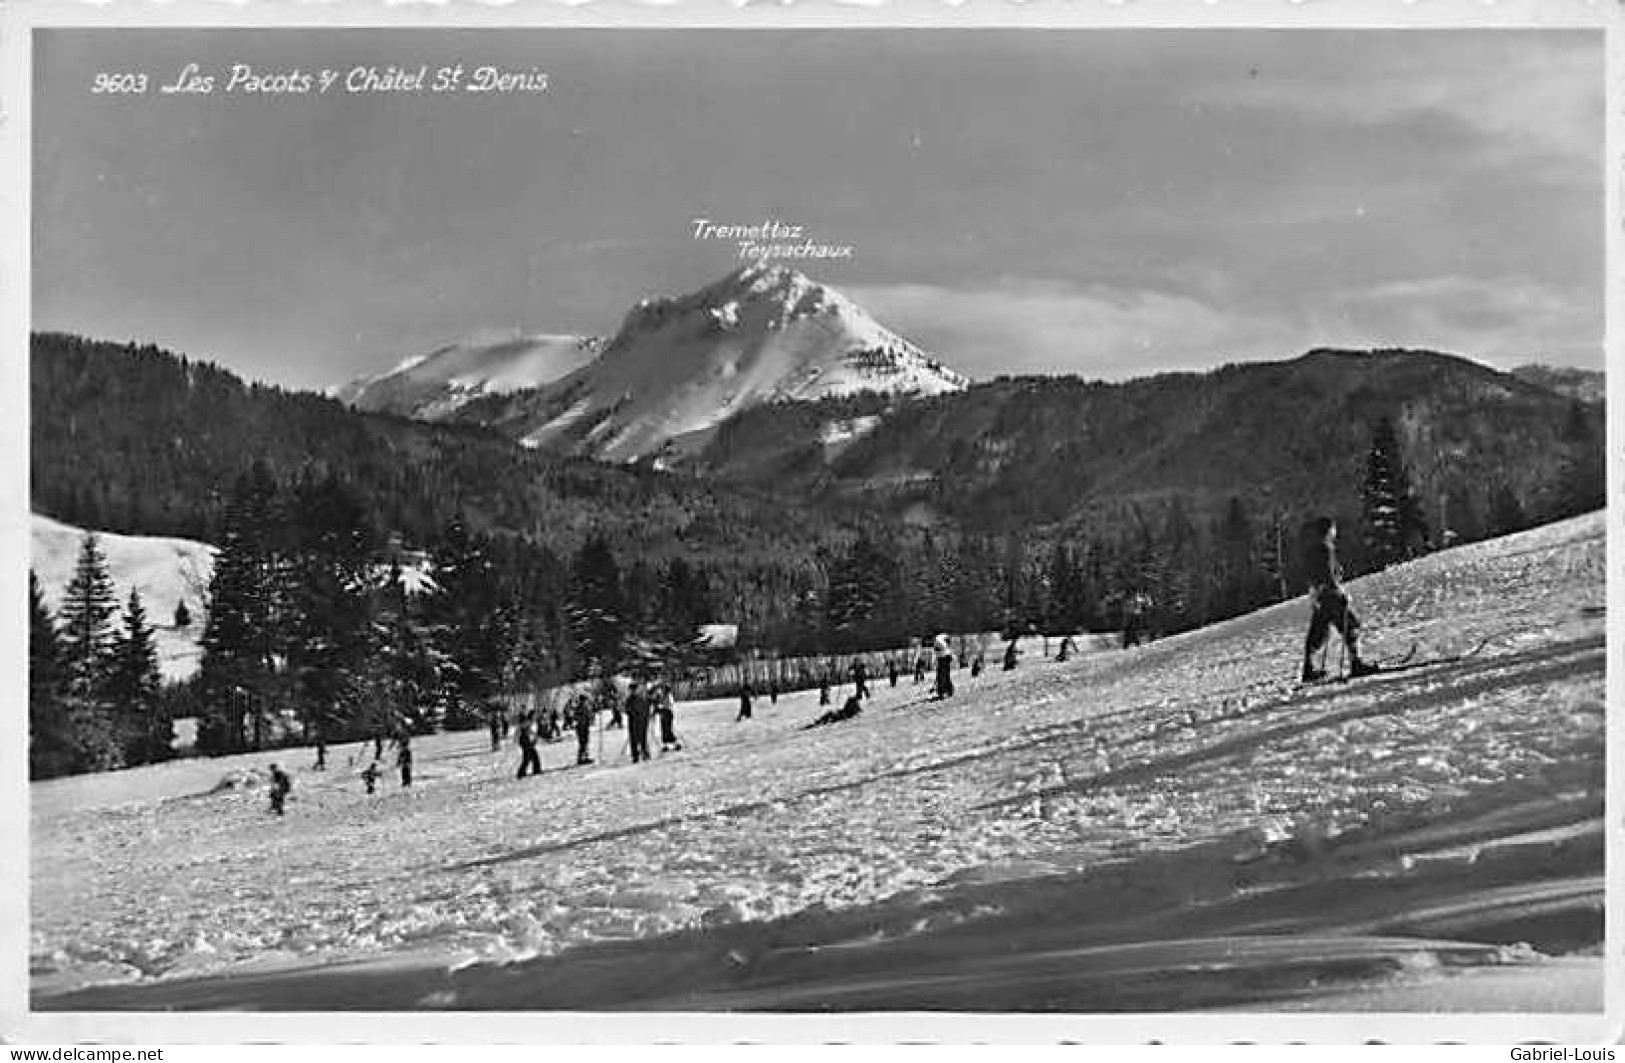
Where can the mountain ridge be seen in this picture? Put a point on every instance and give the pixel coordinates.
(679, 365)
(434, 386)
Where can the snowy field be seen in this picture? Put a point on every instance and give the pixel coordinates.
(1174, 826)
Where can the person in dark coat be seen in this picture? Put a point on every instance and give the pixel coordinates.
(529, 762)
(891, 671)
(1010, 653)
(1134, 619)
(581, 719)
(666, 709)
(281, 785)
(823, 688)
(403, 757)
(860, 678)
(853, 706)
(610, 699)
(744, 702)
(945, 667)
(773, 691)
(494, 722)
(976, 666)
(638, 709)
(369, 776)
(321, 754)
(1330, 602)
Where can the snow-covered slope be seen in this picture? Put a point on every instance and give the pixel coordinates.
(1171, 826)
(682, 365)
(436, 385)
(165, 571)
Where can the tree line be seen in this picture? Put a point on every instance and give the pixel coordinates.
(95, 698)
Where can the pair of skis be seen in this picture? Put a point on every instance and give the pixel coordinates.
(1406, 663)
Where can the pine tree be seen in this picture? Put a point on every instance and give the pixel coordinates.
(88, 606)
(134, 688)
(326, 623)
(1506, 512)
(597, 612)
(469, 629)
(238, 678)
(1580, 485)
(50, 744)
(859, 579)
(1394, 528)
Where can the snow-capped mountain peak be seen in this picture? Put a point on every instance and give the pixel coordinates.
(682, 364)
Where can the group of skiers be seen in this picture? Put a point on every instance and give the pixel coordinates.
(1330, 608)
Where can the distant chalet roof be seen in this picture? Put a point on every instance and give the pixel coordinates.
(717, 636)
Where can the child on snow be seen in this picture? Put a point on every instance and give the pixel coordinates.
(280, 787)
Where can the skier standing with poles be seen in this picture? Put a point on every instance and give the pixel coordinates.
(665, 708)
(945, 667)
(637, 721)
(529, 762)
(1331, 603)
(581, 715)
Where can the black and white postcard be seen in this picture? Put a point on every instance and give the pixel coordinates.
(874, 523)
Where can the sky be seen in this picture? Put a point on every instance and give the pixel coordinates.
(1107, 203)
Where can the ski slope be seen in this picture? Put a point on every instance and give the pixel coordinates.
(1174, 826)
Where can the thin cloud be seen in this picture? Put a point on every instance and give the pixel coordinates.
(1042, 326)
(1521, 96)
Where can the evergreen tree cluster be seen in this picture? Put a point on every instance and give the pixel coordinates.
(314, 630)
(94, 692)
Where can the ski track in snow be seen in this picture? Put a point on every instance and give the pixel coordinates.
(1051, 768)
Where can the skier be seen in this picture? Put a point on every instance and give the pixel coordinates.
(665, 708)
(1068, 647)
(1331, 604)
(378, 746)
(495, 725)
(945, 667)
(321, 754)
(581, 715)
(860, 679)
(611, 701)
(1134, 611)
(369, 775)
(637, 722)
(919, 667)
(280, 787)
(403, 757)
(744, 702)
(1010, 654)
(891, 671)
(853, 706)
(823, 688)
(773, 691)
(976, 666)
(529, 762)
